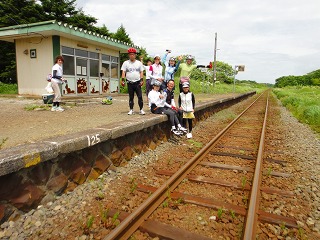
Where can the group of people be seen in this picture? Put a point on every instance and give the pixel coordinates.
(160, 89)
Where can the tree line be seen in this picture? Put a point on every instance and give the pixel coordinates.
(309, 79)
(18, 12)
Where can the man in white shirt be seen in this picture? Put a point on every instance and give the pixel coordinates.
(132, 70)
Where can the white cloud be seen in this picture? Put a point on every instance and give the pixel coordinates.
(272, 38)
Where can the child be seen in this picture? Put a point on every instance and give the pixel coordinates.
(156, 70)
(187, 103)
(148, 69)
(56, 81)
(158, 105)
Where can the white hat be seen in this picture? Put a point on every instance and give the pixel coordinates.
(185, 84)
(157, 83)
(189, 57)
(157, 55)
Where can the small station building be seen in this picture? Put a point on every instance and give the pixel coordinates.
(91, 61)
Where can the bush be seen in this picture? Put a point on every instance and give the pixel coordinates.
(8, 88)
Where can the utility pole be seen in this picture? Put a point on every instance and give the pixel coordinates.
(215, 60)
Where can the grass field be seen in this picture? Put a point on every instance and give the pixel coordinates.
(303, 102)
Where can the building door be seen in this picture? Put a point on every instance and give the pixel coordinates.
(82, 75)
(110, 74)
(114, 75)
(105, 77)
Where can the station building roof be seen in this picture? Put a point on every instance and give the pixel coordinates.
(53, 27)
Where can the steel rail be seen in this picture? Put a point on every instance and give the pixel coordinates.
(127, 227)
(252, 213)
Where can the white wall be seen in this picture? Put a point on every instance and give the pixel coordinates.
(32, 72)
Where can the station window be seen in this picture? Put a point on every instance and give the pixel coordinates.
(114, 59)
(84, 63)
(105, 58)
(93, 55)
(68, 65)
(114, 70)
(94, 68)
(81, 67)
(67, 50)
(81, 53)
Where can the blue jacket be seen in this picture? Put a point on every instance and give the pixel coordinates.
(169, 70)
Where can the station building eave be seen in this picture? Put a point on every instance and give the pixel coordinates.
(52, 28)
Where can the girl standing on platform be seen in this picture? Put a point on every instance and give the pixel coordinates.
(156, 70)
(186, 103)
(56, 81)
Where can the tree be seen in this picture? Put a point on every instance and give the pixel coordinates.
(60, 10)
(308, 79)
(122, 35)
(104, 31)
(14, 12)
(225, 72)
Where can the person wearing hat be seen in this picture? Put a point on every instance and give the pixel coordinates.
(169, 92)
(158, 105)
(171, 67)
(186, 69)
(132, 70)
(156, 74)
(186, 103)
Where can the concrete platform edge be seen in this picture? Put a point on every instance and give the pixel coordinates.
(27, 155)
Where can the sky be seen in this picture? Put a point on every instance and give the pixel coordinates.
(272, 38)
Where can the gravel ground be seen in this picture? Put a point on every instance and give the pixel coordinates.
(62, 218)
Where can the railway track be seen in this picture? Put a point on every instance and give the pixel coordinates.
(225, 176)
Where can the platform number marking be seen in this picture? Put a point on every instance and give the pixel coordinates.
(94, 139)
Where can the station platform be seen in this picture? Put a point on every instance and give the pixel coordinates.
(45, 154)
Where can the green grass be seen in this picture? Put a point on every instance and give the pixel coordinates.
(8, 88)
(303, 102)
(198, 86)
(219, 88)
(32, 107)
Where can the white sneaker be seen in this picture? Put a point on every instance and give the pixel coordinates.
(59, 109)
(176, 132)
(130, 112)
(53, 109)
(182, 129)
(189, 135)
(142, 112)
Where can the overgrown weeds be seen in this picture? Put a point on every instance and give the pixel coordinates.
(303, 103)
